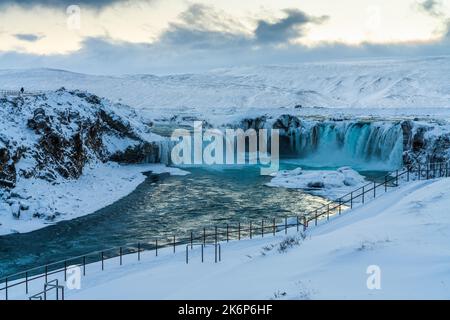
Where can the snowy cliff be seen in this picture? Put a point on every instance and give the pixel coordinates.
(57, 138)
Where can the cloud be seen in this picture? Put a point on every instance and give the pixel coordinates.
(96, 4)
(29, 37)
(431, 7)
(202, 27)
(285, 29)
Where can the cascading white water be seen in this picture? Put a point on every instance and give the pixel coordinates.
(364, 145)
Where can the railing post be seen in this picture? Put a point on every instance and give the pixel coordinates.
(220, 252)
(385, 183)
(407, 173)
(139, 251)
(46, 274)
(250, 229)
(215, 252)
(215, 236)
(374, 190)
(84, 264)
(316, 218)
(363, 193)
(156, 247)
(274, 227)
(26, 282)
(187, 254)
(298, 224)
(419, 172)
(328, 212)
(202, 251)
(228, 232)
(396, 178)
(285, 225)
(262, 228)
(103, 261)
(351, 200)
(65, 270)
(120, 254)
(173, 244)
(204, 235)
(6, 288)
(239, 231)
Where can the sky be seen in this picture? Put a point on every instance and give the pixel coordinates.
(177, 36)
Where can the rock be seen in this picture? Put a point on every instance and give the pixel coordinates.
(316, 184)
(15, 210)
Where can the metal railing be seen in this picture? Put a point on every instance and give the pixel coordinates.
(20, 93)
(49, 286)
(228, 232)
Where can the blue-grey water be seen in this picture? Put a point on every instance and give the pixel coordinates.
(160, 207)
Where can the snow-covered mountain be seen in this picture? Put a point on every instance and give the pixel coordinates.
(220, 94)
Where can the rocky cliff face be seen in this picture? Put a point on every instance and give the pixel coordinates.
(54, 135)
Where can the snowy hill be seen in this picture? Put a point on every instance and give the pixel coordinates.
(406, 84)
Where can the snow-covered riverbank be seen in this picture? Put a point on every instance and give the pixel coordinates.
(403, 232)
(99, 186)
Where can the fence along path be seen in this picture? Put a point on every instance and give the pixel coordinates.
(20, 93)
(225, 233)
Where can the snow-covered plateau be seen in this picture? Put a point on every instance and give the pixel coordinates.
(394, 88)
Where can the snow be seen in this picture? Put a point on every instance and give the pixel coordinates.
(403, 232)
(99, 186)
(364, 88)
(331, 184)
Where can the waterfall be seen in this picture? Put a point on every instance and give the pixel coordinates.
(377, 145)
